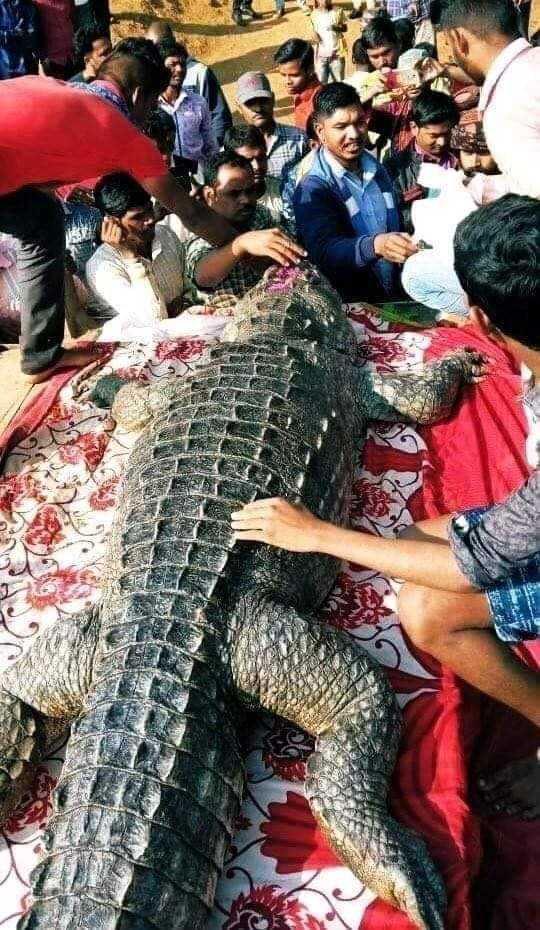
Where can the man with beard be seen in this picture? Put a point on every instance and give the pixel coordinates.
(486, 42)
(249, 142)
(195, 141)
(220, 277)
(345, 208)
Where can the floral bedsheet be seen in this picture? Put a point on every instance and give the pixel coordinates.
(57, 500)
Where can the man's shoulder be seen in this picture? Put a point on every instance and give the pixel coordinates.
(291, 133)
(262, 218)
(104, 256)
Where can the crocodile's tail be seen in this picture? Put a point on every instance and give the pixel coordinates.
(324, 682)
(151, 784)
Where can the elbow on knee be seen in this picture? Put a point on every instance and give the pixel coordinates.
(418, 615)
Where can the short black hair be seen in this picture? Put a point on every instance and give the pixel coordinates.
(159, 125)
(117, 193)
(228, 158)
(170, 48)
(434, 107)
(358, 53)
(481, 17)
(296, 50)
(83, 42)
(379, 31)
(139, 59)
(333, 97)
(240, 135)
(428, 48)
(497, 261)
(405, 31)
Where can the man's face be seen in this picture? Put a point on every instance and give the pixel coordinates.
(344, 134)
(434, 138)
(296, 79)
(139, 226)
(101, 49)
(383, 56)
(473, 163)
(464, 45)
(177, 68)
(258, 160)
(233, 196)
(258, 112)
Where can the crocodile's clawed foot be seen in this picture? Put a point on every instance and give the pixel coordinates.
(418, 888)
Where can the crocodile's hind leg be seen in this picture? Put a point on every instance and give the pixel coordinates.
(49, 681)
(324, 682)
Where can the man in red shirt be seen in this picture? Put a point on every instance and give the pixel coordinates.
(296, 63)
(52, 134)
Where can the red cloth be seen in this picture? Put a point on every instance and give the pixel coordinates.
(56, 29)
(303, 103)
(52, 133)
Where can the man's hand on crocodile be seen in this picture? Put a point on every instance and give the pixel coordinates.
(277, 522)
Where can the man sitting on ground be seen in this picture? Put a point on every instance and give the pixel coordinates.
(285, 145)
(296, 63)
(195, 141)
(472, 579)
(222, 276)
(345, 209)
(249, 142)
(90, 49)
(434, 115)
(136, 276)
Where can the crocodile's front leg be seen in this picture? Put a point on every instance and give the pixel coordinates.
(325, 683)
(50, 680)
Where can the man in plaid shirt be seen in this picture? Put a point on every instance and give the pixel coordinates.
(285, 145)
(417, 11)
(220, 277)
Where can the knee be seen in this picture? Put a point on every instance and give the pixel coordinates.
(420, 615)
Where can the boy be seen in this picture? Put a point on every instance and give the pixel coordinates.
(296, 64)
(474, 574)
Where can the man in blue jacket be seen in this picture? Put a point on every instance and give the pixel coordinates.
(345, 208)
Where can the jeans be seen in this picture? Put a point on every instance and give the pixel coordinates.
(429, 278)
(280, 6)
(327, 68)
(36, 220)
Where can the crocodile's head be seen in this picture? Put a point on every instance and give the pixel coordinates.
(293, 303)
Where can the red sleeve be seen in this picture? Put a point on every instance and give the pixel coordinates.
(52, 133)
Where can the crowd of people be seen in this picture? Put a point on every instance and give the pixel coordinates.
(157, 205)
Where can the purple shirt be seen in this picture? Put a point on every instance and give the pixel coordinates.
(399, 9)
(194, 136)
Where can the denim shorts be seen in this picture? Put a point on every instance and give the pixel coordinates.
(515, 601)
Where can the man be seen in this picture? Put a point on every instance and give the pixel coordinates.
(486, 42)
(472, 579)
(249, 142)
(381, 44)
(346, 213)
(296, 63)
(434, 115)
(91, 137)
(136, 276)
(195, 141)
(90, 49)
(469, 141)
(285, 145)
(222, 276)
(415, 10)
(201, 80)
(19, 38)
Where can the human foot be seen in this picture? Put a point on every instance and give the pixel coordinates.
(70, 358)
(515, 789)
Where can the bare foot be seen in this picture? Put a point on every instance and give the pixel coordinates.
(515, 789)
(70, 358)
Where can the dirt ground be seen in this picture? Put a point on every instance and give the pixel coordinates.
(210, 34)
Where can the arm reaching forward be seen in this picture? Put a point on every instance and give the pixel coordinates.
(193, 213)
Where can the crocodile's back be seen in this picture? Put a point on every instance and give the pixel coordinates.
(153, 776)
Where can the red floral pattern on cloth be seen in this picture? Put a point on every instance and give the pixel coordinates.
(60, 490)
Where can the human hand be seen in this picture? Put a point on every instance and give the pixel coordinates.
(278, 523)
(373, 89)
(395, 247)
(268, 243)
(429, 69)
(112, 234)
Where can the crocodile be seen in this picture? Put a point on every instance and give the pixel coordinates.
(193, 630)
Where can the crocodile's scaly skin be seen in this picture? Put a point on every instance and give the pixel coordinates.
(192, 627)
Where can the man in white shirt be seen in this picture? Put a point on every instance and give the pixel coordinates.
(486, 43)
(136, 276)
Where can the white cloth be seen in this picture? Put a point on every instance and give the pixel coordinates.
(510, 102)
(135, 293)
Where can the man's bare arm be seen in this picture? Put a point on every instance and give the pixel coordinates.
(198, 218)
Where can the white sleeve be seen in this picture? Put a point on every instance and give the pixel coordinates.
(129, 289)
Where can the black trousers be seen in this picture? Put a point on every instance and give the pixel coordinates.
(36, 220)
